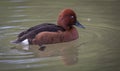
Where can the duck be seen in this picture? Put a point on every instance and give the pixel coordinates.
(48, 33)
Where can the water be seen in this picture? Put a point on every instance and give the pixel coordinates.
(97, 49)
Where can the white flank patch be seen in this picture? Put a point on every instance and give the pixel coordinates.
(25, 44)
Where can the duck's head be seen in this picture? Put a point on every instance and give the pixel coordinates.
(67, 18)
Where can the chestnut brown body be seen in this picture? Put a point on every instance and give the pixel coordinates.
(55, 37)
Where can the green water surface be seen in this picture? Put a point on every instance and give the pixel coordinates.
(97, 49)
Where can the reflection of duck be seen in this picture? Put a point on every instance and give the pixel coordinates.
(66, 52)
(69, 55)
(50, 33)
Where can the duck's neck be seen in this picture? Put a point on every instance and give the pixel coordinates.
(71, 34)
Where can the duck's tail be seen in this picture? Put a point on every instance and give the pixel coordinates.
(19, 40)
(16, 41)
(23, 42)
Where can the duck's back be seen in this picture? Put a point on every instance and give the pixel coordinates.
(33, 31)
(42, 27)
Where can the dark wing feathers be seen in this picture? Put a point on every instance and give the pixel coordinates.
(34, 28)
(33, 31)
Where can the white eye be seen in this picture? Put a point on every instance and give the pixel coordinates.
(72, 16)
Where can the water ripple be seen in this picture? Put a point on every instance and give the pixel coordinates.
(8, 27)
(18, 0)
(23, 61)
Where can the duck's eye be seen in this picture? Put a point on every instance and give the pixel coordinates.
(71, 16)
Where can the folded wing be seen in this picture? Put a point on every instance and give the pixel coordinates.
(33, 31)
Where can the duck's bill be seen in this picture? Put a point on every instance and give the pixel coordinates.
(79, 25)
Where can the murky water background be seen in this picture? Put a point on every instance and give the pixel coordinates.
(97, 49)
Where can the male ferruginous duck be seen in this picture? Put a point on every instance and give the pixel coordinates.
(48, 33)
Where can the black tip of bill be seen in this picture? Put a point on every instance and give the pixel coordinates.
(79, 25)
